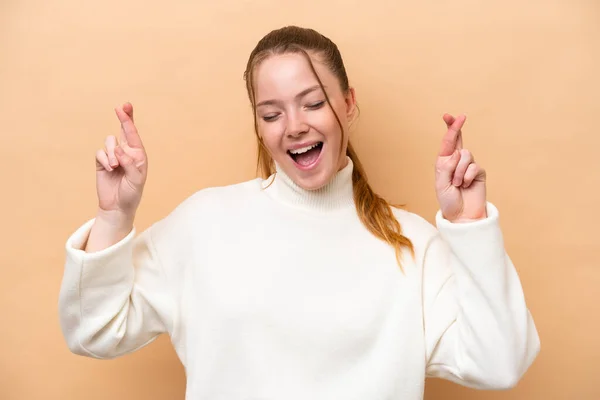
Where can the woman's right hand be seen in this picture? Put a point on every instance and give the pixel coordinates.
(121, 169)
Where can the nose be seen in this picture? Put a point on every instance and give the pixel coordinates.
(296, 125)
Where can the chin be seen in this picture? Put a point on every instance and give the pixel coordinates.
(314, 182)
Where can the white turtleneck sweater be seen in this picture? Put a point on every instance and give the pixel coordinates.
(281, 293)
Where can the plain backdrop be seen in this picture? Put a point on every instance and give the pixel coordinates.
(525, 73)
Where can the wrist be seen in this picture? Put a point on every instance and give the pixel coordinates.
(118, 220)
(466, 220)
(109, 228)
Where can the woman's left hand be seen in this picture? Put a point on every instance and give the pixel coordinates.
(459, 181)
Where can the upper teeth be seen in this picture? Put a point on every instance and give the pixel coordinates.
(304, 149)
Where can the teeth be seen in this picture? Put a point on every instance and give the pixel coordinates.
(304, 149)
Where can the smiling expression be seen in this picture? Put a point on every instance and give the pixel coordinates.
(296, 124)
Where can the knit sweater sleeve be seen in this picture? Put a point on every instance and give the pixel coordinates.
(479, 332)
(117, 300)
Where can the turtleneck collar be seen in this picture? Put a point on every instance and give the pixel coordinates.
(335, 195)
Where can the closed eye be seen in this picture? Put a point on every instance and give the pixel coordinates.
(270, 118)
(317, 105)
(312, 106)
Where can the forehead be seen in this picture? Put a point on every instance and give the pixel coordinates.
(284, 76)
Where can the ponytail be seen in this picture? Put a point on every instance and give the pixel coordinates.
(374, 212)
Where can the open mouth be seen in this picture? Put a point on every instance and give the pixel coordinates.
(308, 155)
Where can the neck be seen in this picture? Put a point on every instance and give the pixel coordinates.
(336, 194)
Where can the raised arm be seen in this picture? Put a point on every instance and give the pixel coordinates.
(478, 329)
(116, 300)
(114, 296)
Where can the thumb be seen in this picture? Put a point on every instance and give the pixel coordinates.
(128, 165)
(446, 167)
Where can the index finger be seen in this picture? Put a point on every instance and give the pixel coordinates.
(452, 140)
(129, 133)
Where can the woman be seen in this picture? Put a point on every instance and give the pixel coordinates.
(302, 284)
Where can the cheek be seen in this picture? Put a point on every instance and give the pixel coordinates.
(329, 124)
(271, 135)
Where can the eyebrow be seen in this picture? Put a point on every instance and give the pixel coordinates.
(298, 96)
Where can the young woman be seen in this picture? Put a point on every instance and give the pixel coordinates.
(304, 283)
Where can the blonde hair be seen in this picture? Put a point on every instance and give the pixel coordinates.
(373, 211)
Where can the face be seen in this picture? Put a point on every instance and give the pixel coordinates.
(296, 124)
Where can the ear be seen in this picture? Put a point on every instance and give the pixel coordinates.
(350, 99)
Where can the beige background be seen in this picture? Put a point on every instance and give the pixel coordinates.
(526, 74)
